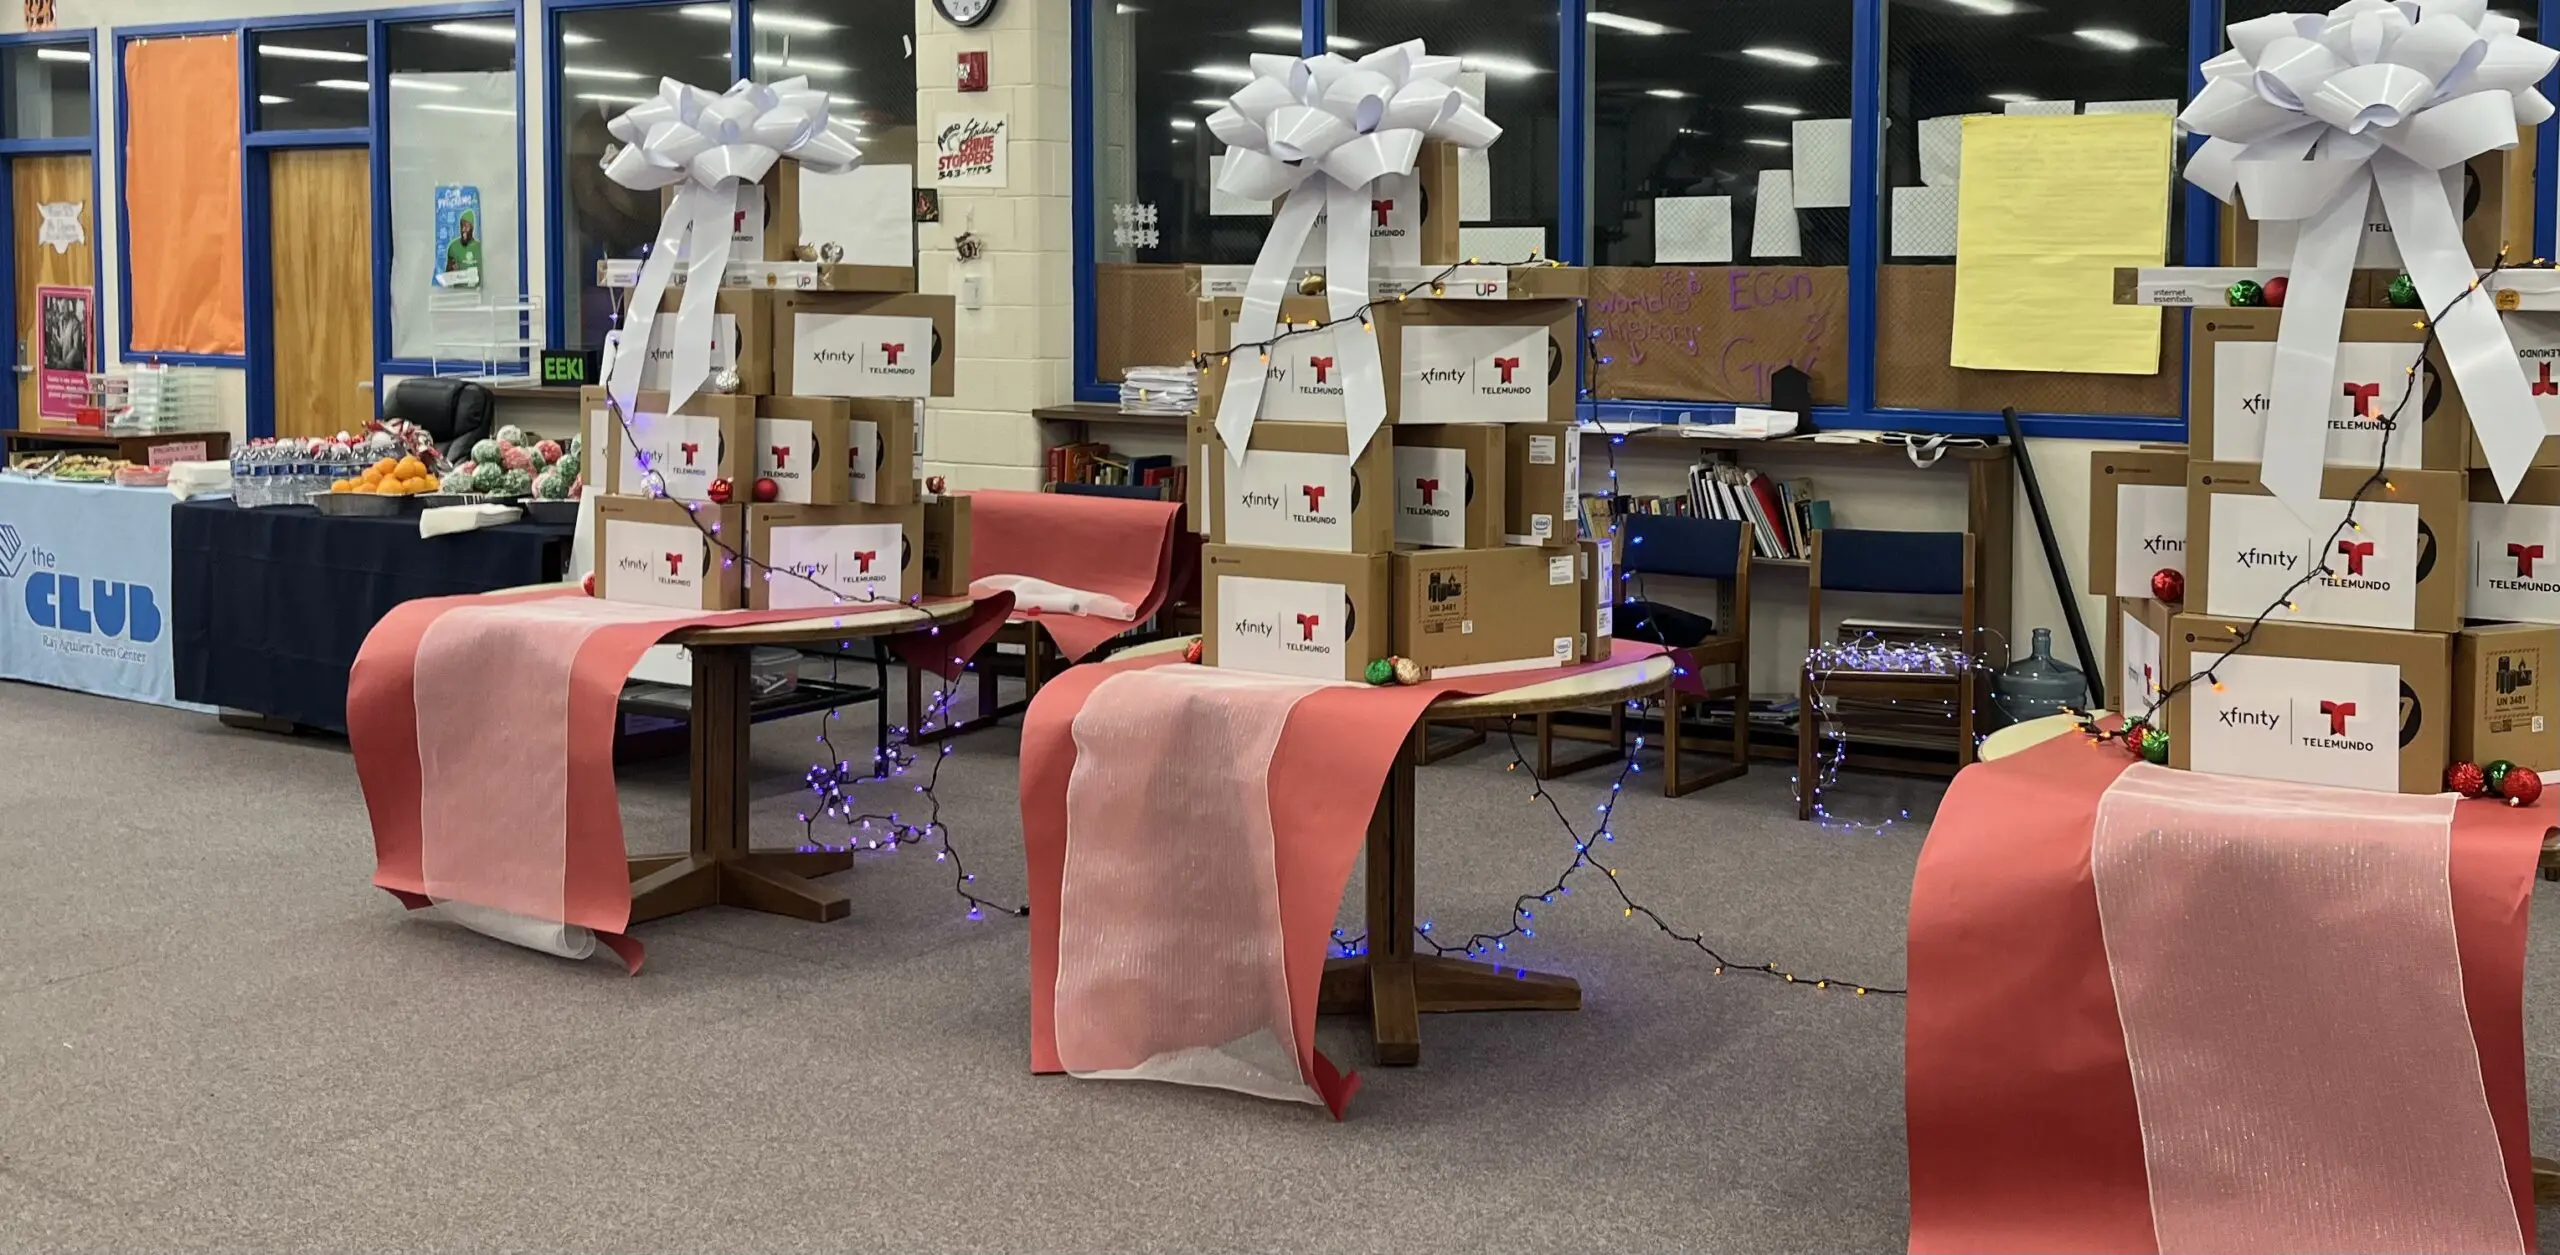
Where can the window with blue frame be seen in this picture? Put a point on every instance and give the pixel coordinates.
(311, 78)
(48, 91)
(453, 183)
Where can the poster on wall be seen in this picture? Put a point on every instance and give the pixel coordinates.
(457, 235)
(66, 352)
(969, 149)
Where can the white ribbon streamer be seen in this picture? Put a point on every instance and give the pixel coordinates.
(1314, 133)
(708, 148)
(2309, 114)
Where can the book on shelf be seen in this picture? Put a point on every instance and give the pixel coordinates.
(1781, 514)
(1095, 463)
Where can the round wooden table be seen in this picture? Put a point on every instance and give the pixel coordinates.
(722, 866)
(1393, 984)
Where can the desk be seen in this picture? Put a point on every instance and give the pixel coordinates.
(1391, 983)
(197, 446)
(85, 589)
(721, 868)
(274, 603)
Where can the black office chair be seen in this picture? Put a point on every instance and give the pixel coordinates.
(457, 412)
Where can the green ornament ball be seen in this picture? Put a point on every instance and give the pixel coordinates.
(2247, 292)
(2494, 773)
(488, 478)
(516, 484)
(485, 451)
(511, 434)
(1380, 672)
(2155, 747)
(548, 486)
(2404, 293)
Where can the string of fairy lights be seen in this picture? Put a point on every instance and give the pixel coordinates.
(2131, 730)
(1437, 285)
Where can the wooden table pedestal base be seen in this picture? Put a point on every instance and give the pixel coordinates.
(1395, 992)
(775, 882)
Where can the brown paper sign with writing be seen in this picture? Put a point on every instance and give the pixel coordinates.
(1717, 333)
(39, 15)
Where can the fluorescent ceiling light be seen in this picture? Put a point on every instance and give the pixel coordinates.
(345, 84)
(1497, 64)
(1691, 130)
(608, 98)
(1757, 142)
(1777, 111)
(1631, 25)
(1207, 103)
(1224, 73)
(1666, 93)
(599, 71)
(1784, 56)
(1989, 8)
(296, 52)
(2013, 98)
(1290, 33)
(762, 21)
(1185, 124)
(408, 83)
(815, 65)
(492, 31)
(482, 110)
(2110, 39)
(275, 100)
(62, 54)
(1130, 8)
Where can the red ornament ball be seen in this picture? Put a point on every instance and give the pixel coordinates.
(2169, 584)
(1192, 652)
(2465, 779)
(2523, 786)
(767, 490)
(2273, 291)
(718, 492)
(589, 584)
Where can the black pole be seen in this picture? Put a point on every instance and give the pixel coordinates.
(2053, 560)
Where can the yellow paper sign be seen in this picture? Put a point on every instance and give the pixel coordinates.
(2046, 209)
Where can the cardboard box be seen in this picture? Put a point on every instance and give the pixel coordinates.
(876, 443)
(1443, 361)
(1451, 486)
(1466, 611)
(1200, 445)
(2506, 701)
(655, 552)
(1469, 283)
(1299, 489)
(1542, 484)
(2360, 708)
(840, 553)
(2233, 365)
(2137, 518)
(742, 340)
(2536, 336)
(1413, 218)
(950, 546)
(2494, 196)
(767, 227)
(709, 440)
(2514, 571)
(2403, 570)
(2137, 658)
(1600, 600)
(858, 344)
(1322, 616)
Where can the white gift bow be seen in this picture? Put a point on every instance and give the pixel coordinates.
(2309, 114)
(1319, 131)
(712, 146)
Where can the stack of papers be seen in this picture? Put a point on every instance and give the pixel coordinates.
(1160, 390)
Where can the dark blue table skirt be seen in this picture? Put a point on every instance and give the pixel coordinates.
(270, 605)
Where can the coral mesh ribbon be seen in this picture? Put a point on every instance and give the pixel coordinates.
(1313, 133)
(708, 148)
(2284, 963)
(2310, 114)
(1171, 963)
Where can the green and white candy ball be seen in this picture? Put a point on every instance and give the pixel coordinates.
(548, 486)
(516, 484)
(458, 482)
(511, 434)
(485, 452)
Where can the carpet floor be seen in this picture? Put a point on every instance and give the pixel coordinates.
(216, 1035)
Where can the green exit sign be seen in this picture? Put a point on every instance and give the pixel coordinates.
(571, 368)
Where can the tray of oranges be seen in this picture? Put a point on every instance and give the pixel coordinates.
(389, 486)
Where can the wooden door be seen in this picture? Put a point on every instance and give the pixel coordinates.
(55, 180)
(320, 257)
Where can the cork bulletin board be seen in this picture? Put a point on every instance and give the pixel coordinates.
(1915, 314)
(1717, 333)
(1142, 317)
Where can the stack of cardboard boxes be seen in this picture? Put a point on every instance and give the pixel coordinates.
(1450, 539)
(811, 467)
(2423, 634)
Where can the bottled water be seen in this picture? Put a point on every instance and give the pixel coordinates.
(240, 474)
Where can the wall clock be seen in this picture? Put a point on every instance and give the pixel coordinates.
(965, 12)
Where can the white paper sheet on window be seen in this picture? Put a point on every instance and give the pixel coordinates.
(1503, 245)
(2169, 107)
(448, 129)
(1941, 150)
(2041, 108)
(868, 210)
(1773, 217)
(1475, 165)
(1693, 229)
(1228, 204)
(1822, 163)
(1924, 222)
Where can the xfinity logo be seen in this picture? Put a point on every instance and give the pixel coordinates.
(1247, 627)
(2250, 719)
(2253, 558)
(2164, 544)
(1259, 500)
(1443, 374)
(2255, 404)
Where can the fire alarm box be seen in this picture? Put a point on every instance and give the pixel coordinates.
(973, 71)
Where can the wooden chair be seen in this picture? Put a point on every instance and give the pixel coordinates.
(1700, 549)
(1926, 564)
